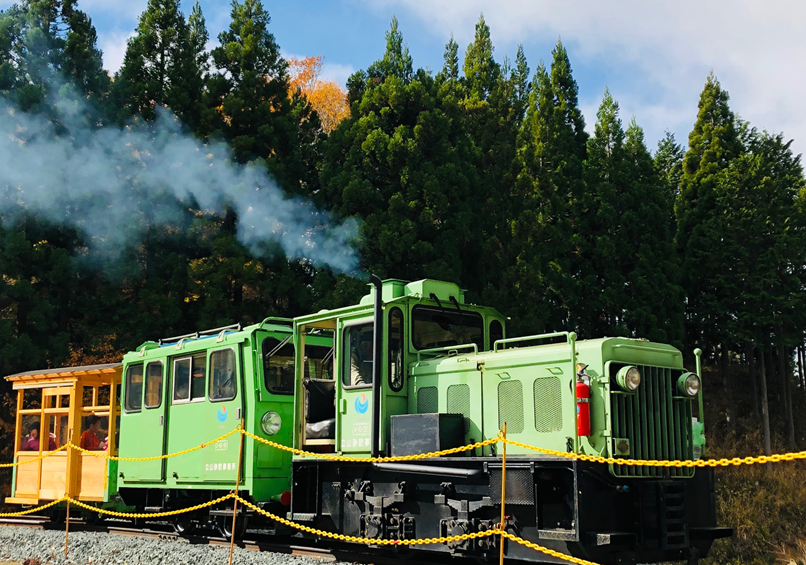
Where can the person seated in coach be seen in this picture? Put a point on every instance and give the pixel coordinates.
(31, 443)
(89, 439)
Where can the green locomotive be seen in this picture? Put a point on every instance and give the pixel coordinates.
(440, 373)
(187, 390)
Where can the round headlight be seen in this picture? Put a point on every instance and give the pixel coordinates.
(629, 378)
(271, 423)
(688, 384)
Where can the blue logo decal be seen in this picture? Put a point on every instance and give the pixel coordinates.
(221, 415)
(361, 404)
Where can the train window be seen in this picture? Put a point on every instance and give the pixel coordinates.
(181, 380)
(395, 349)
(197, 377)
(318, 362)
(440, 327)
(153, 397)
(278, 365)
(496, 332)
(222, 375)
(134, 387)
(357, 369)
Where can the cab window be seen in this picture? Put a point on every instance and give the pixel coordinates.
(153, 396)
(357, 366)
(496, 332)
(222, 375)
(278, 365)
(318, 362)
(134, 387)
(435, 327)
(395, 349)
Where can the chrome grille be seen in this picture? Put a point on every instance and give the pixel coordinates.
(656, 423)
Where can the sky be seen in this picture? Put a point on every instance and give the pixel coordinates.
(653, 56)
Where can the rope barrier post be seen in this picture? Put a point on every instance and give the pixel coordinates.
(66, 526)
(503, 490)
(235, 500)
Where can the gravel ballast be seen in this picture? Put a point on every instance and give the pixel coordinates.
(20, 544)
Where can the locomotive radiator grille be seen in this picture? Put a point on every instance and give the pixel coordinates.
(548, 404)
(510, 406)
(459, 402)
(657, 425)
(428, 400)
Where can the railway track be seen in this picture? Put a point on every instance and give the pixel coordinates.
(254, 540)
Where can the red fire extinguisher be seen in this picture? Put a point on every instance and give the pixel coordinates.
(583, 407)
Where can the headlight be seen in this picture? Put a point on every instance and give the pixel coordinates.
(629, 378)
(688, 384)
(271, 423)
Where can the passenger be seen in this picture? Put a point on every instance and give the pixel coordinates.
(32, 441)
(89, 439)
(361, 360)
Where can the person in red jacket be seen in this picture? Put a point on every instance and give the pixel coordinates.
(31, 443)
(89, 439)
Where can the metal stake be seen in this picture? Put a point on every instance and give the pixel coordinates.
(235, 501)
(503, 491)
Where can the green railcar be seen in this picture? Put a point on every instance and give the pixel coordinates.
(448, 376)
(181, 392)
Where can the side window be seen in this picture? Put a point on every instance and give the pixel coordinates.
(181, 380)
(278, 365)
(223, 377)
(496, 332)
(357, 366)
(395, 350)
(134, 387)
(153, 384)
(197, 377)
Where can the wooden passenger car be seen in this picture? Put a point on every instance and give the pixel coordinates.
(60, 400)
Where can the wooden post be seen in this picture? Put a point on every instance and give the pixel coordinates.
(503, 491)
(235, 501)
(66, 527)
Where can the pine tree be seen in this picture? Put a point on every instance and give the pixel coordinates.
(162, 65)
(396, 61)
(450, 70)
(481, 70)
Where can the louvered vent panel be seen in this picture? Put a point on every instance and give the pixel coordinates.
(459, 402)
(427, 400)
(548, 405)
(510, 406)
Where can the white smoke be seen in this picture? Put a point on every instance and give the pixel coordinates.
(110, 182)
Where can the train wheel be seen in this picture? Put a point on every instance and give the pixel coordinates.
(184, 525)
(93, 518)
(56, 515)
(225, 527)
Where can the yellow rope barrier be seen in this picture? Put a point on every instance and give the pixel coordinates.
(32, 510)
(35, 459)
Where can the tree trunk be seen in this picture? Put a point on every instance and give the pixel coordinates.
(786, 390)
(750, 354)
(765, 410)
(771, 372)
(801, 363)
(726, 379)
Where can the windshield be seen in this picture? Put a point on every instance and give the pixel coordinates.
(435, 327)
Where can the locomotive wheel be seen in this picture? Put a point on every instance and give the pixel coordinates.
(184, 525)
(225, 527)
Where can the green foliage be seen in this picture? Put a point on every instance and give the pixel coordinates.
(396, 61)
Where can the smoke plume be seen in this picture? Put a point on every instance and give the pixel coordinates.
(110, 182)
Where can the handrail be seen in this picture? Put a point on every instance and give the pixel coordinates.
(449, 348)
(570, 336)
(283, 321)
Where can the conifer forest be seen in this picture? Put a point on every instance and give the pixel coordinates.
(192, 189)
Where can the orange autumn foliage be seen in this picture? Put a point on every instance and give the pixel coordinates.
(327, 97)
